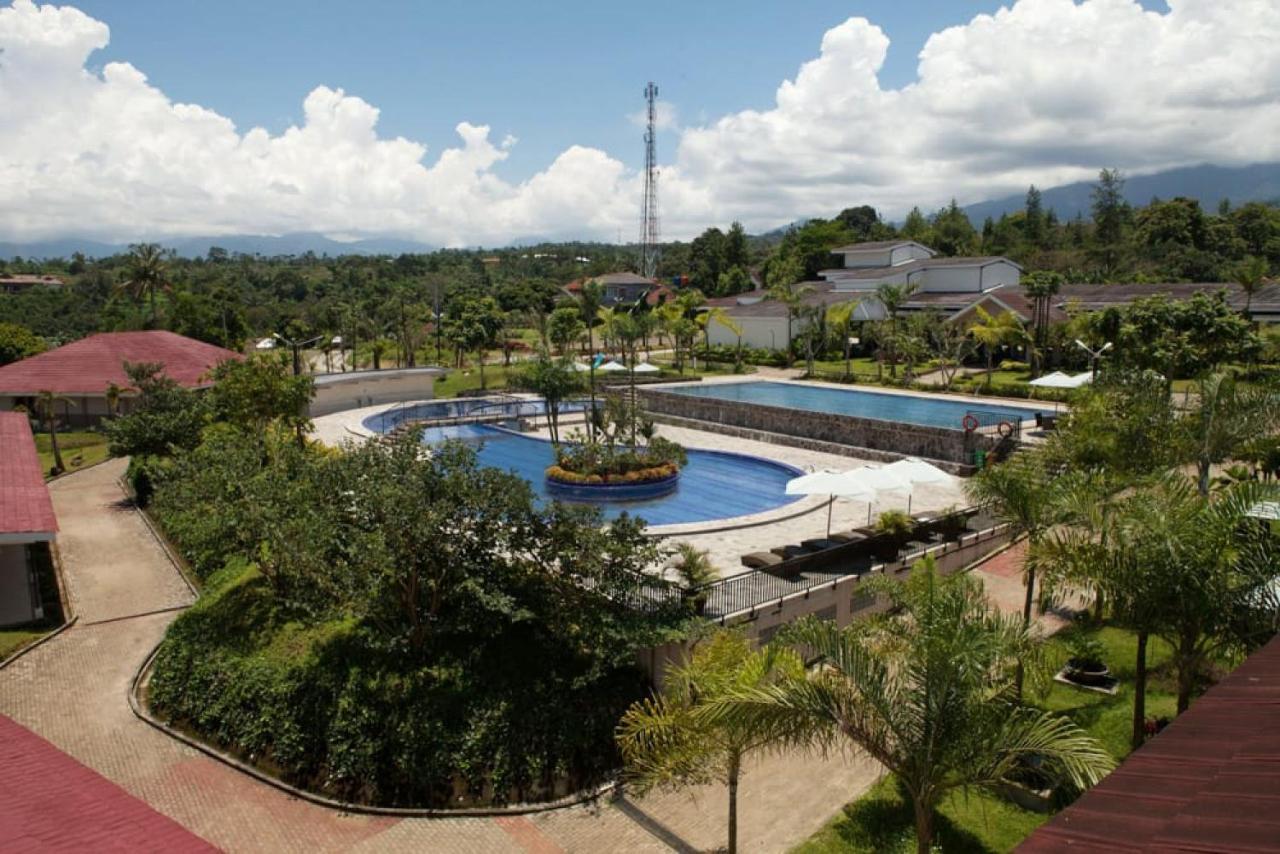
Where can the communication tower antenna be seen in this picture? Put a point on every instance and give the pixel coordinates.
(649, 207)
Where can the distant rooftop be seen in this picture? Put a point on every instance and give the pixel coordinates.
(28, 279)
(877, 246)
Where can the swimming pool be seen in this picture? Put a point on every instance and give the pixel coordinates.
(714, 485)
(901, 408)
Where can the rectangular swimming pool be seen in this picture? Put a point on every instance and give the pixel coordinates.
(901, 408)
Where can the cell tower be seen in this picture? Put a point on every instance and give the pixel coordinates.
(649, 208)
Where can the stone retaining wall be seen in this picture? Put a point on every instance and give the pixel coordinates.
(891, 437)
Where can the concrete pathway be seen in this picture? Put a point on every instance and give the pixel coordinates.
(72, 692)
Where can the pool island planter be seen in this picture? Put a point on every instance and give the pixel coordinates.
(617, 490)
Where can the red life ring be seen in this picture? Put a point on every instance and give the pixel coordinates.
(1005, 429)
(970, 423)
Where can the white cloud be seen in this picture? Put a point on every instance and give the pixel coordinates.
(1045, 91)
(664, 116)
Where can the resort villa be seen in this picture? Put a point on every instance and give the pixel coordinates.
(83, 373)
(954, 287)
(622, 289)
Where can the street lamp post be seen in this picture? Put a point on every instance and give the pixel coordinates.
(296, 347)
(1094, 355)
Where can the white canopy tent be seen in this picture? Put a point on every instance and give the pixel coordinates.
(646, 368)
(612, 366)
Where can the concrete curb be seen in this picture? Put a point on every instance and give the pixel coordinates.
(137, 706)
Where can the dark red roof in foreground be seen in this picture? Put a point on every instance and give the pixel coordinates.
(50, 802)
(91, 364)
(25, 507)
(1209, 782)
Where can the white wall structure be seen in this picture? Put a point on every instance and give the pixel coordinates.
(336, 392)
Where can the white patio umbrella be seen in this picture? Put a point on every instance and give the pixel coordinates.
(1057, 379)
(646, 368)
(878, 479)
(1080, 380)
(832, 484)
(612, 366)
(581, 368)
(915, 471)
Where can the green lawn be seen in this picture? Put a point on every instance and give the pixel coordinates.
(459, 380)
(977, 822)
(79, 450)
(11, 640)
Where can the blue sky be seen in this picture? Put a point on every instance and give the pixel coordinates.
(552, 73)
(394, 119)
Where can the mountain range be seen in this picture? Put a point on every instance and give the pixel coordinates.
(1209, 184)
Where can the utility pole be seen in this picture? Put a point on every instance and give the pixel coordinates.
(649, 206)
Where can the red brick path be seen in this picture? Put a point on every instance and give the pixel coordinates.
(50, 802)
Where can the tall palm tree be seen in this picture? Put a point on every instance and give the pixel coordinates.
(1022, 493)
(1226, 417)
(46, 402)
(925, 690)
(993, 332)
(606, 317)
(786, 289)
(665, 742)
(840, 317)
(892, 297)
(1250, 275)
(148, 271)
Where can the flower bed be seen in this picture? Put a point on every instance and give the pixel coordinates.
(637, 485)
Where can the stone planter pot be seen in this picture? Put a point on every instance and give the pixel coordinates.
(1091, 673)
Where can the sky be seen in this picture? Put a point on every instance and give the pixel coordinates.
(494, 122)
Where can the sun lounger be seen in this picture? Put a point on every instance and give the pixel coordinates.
(760, 560)
(818, 544)
(852, 536)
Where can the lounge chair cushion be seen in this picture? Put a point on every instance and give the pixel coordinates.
(759, 560)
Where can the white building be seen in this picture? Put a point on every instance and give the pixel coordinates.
(947, 284)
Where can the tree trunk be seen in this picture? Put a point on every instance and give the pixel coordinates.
(734, 766)
(990, 366)
(1026, 621)
(480, 359)
(1202, 481)
(1140, 693)
(924, 824)
(1186, 671)
(53, 443)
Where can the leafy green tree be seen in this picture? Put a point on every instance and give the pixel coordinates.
(892, 297)
(1111, 213)
(555, 380)
(737, 254)
(1177, 338)
(148, 272)
(841, 317)
(1022, 493)
(952, 232)
(252, 394)
(1033, 225)
(1225, 418)
(926, 691)
(1250, 275)
(164, 419)
(475, 325)
(18, 342)
(565, 327)
(665, 742)
(994, 332)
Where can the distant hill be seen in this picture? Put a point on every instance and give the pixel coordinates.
(1209, 184)
(191, 247)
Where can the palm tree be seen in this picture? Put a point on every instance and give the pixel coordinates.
(840, 317)
(1226, 418)
(148, 274)
(606, 316)
(45, 408)
(113, 399)
(665, 742)
(1022, 493)
(994, 332)
(1250, 275)
(786, 289)
(726, 320)
(892, 298)
(925, 690)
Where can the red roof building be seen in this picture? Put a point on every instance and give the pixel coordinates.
(51, 802)
(27, 523)
(83, 370)
(1209, 782)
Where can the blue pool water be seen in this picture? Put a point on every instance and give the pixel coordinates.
(909, 409)
(385, 421)
(714, 485)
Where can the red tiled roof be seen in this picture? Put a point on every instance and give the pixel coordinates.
(50, 802)
(91, 364)
(25, 507)
(1209, 782)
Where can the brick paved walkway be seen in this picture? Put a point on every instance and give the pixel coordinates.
(72, 691)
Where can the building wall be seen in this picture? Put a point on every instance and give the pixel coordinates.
(866, 284)
(757, 332)
(76, 412)
(17, 604)
(371, 388)
(903, 254)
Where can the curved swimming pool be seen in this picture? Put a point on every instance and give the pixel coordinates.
(714, 485)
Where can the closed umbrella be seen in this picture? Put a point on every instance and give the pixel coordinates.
(831, 484)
